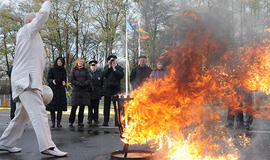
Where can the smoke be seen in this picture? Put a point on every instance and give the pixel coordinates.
(185, 107)
(206, 75)
(207, 49)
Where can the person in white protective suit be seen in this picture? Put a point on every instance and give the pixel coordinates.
(26, 82)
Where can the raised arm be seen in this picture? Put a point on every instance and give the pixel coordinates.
(3, 5)
(41, 18)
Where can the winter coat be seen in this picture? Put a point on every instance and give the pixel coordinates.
(139, 75)
(80, 81)
(112, 80)
(59, 101)
(95, 84)
(158, 73)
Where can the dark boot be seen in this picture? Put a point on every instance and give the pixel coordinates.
(53, 119)
(59, 118)
(96, 123)
(59, 125)
(80, 126)
(71, 125)
(53, 124)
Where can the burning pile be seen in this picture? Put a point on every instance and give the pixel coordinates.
(180, 115)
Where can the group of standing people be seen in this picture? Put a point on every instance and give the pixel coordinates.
(86, 91)
(89, 84)
(27, 87)
(141, 72)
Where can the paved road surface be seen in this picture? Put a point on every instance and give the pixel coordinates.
(96, 143)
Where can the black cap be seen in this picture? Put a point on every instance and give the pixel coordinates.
(111, 56)
(142, 56)
(92, 62)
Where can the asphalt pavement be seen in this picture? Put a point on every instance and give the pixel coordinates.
(89, 143)
(97, 143)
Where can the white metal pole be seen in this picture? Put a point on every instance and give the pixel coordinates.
(126, 62)
(139, 42)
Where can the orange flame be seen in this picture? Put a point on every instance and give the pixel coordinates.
(192, 15)
(175, 114)
(179, 116)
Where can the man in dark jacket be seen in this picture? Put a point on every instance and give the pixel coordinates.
(112, 74)
(140, 73)
(95, 92)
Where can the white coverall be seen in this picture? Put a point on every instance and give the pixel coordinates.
(26, 82)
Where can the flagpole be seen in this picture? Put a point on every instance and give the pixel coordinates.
(139, 42)
(126, 61)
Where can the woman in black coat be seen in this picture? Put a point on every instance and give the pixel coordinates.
(80, 81)
(95, 92)
(57, 78)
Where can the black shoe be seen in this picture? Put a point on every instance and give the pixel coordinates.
(53, 125)
(248, 128)
(89, 123)
(71, 125)
(229, 126)
(105, 124)
(80, 125)
(59, 125)
(241, 127)
(96, 123)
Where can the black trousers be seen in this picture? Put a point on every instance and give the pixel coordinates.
(93, 110)
(107, 108)
(249, 119)
(240, 120)
(73, 114)
(59, 116)
(12, 108)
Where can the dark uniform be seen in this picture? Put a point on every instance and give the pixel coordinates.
(95, 93)
(111, 87)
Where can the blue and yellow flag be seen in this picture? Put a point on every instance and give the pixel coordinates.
(130, 27)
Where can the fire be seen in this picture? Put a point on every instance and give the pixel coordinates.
(180, 116)
(192, 15)
(175, 114)
(252, 69)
